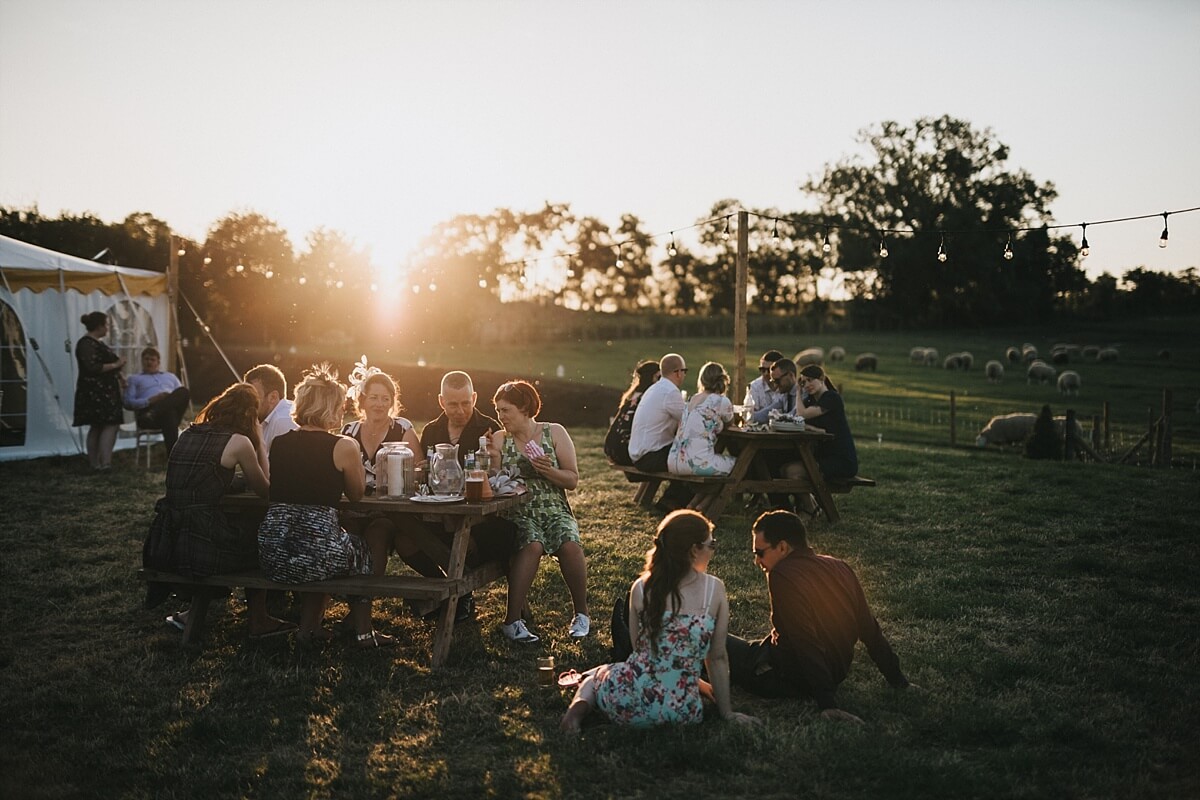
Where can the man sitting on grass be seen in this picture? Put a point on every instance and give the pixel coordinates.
(818, 613)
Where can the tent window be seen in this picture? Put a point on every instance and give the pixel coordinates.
(130, 331)
(14, 386)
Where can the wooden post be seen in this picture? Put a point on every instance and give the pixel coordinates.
(1151, 435)
(172, 304)
(1107, 429)
(1069, 436)
(953, 419)
(1095, 432)
(739, 306)
(1164, 448)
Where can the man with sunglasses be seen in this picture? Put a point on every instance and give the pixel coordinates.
(654, 425)
(785, 393)
(818, 614)
(761, 392)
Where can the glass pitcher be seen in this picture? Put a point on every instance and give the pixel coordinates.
(445, 473)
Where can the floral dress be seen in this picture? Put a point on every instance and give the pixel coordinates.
(660, 685)
(97, 393)
(547, 517)
(694, 450)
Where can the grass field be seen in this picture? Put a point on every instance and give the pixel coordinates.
(1050, 612)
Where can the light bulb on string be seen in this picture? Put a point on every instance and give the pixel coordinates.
(725, 234)
(671, 251)
(1162, 240)
(620, 261)
(942, 249)
(775, 232)
(1085, 251)
(1008, 253)
(825, 246)
(883, 251)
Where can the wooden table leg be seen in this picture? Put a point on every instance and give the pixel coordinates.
(458, 561)
(646, 491)
(820, 489)
(193, 629)
(740, 468)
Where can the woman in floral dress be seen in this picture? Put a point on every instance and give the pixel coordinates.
(545, 456)
(678, 619)
(98, 390)
(704, 416)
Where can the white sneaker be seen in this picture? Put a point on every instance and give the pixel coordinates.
(517, 632)
(581, 626)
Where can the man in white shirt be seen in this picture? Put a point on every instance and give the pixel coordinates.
(274, 409)
(157, 398)
(761, 391)
(657, 417)
(787, 394)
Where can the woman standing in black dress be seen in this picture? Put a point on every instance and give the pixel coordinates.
(98, 390)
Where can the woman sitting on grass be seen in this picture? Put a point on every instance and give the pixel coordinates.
(678, 619)
(190, 535)
(300, 539)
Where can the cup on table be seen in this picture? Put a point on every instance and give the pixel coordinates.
(474, 488)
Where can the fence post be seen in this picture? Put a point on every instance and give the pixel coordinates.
(1164, 423)
(1069, 436)
(1107, 443)
(1151, 435)
(1095, 431)
(953, 419)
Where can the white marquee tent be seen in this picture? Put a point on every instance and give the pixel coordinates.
(42, 296)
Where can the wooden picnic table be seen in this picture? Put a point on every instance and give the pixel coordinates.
(751, 473)
(456, 518)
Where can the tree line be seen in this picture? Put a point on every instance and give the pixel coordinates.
(946, 185)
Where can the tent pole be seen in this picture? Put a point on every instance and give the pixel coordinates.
(172, 300)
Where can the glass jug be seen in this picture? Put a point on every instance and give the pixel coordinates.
(394, 471)
(445, 473)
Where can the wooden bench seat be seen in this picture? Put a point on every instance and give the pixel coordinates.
(648, 482)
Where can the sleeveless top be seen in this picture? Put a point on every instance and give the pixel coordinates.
(302, 469)
(400, 426)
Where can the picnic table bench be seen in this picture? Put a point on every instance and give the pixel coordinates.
(750, 475)
(427, 594)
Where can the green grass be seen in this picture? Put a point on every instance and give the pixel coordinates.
(1049, 611)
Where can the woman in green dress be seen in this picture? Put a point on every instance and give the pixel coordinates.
(545, 456)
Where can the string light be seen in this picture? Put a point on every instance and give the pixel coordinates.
(671, 251)
(1162, 240)
(1085, 251)
(775, 233)
(1008, 253)
(883, 251)
(620, 261)
(725, 235)
(825, 246)
(942, 249)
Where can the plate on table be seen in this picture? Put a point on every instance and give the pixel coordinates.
(437, 498)
(787, 427)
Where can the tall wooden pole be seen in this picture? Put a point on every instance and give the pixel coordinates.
(739, 306)
(172, 303)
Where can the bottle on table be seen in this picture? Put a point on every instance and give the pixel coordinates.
(483, 458)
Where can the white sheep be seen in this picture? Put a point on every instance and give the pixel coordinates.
(931, 356)
(994, 371)
(837, 354)
(967, 359)
(1016, 428)
(812, 355)
(1107, 354)
(1041, 372)
(953, 361)
(1013, 355)
(866, 361)
(917, 355)
(1029, 353)
(1091, 351)
(1068, 382)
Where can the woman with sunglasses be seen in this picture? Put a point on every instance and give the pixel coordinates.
(678, 617)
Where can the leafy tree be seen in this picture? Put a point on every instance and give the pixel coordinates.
(248, 261)
(934, 176)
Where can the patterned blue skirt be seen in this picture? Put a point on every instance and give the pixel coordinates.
(297, 544)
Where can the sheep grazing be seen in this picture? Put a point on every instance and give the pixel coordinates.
(837, 354)
(813, 355)
(1060, 356)
(1013, 355)
(1165, 355)
(1015, 428)
(866, 361)
(994, 371)
(967, 360)
(1040, 372)
(917, 355)
(1068, 382)
(931, 356)
(1107, 354)
(1091, 351)
(953, 361)
(1029, 353)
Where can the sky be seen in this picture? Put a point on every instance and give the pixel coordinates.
(381, 119)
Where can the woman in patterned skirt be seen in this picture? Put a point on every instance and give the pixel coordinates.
(98, 390)
(300, 539)
(545, 456)
(678, 619)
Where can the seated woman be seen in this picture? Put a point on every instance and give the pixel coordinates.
(837, 457)
(545, 456)
(300, 539)
(678, 617)
(616, 441)
(704, 416)
(378, 405)
(190, 535)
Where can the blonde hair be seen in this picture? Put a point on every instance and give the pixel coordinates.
(320, 399)
(389, 383)
(713, 378)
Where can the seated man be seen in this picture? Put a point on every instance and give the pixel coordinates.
(157, 398)
(274, 409)
(654, 425)
(462, 423)
(785, 396)
(761, 392)
(818, 613)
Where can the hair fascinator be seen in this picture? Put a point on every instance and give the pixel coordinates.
(359, 376)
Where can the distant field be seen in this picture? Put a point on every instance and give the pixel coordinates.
(911, 403)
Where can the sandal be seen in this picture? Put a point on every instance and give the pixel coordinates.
(373, 641)
(569, 679)
(178, 620)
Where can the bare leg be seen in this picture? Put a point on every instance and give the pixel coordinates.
(520, 578)
(360, 616)
(574, 571)
(379, 535)
(259, 619)
(93, 446)
(312, 614)
(581, 706)
(104, 445)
